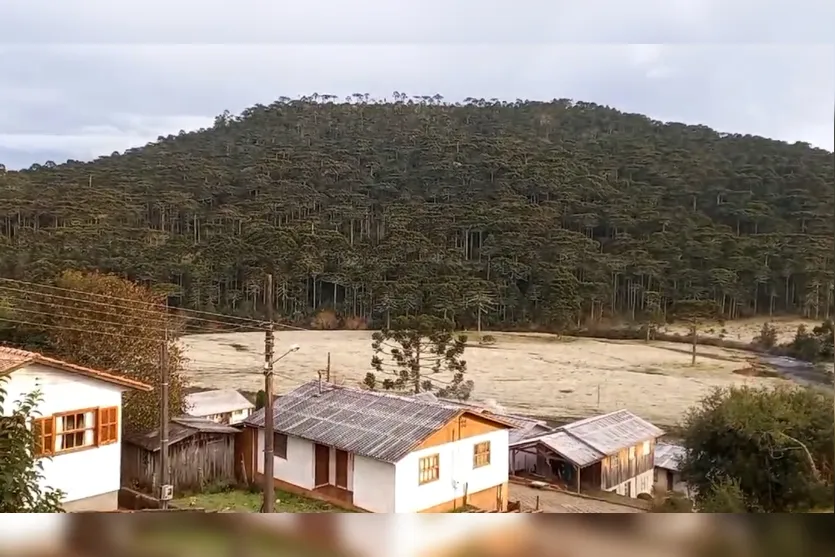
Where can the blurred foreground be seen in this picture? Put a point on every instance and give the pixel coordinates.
(449, 535)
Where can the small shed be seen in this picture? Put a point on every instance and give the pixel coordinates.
(224, 406)
(668, 458)
(611, 452)
(200, 453)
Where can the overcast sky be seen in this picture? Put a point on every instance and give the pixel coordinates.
(81, 78)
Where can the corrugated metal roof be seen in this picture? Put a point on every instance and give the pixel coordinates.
(517, 422)
(668, 456)
(571, 448)
(367, 423)
(613, 432)
(587, 441)
(179, 429)
(208, 403)
(528, 431)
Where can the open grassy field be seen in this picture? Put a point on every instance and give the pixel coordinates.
(530, 373)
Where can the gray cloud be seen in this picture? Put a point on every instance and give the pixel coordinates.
(83, 100)
(386, 21)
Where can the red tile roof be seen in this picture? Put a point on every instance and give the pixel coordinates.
(12, 359)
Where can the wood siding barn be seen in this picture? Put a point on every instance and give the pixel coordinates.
(201, 453)
(628, 463)
(612, 452)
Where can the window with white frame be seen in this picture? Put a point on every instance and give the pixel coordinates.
(646, 448)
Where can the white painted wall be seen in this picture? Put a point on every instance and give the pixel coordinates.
(641, 483)
(456, 471)
(387, 488)
(235, 417)
(299, 467)
(81, 474)
(374, 485)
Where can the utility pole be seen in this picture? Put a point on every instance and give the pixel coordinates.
(269, 449)
(165, 491)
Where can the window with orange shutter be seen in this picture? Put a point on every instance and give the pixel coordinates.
(44, 430)
(108, 425)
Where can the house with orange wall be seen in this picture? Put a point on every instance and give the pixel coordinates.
(380, 452)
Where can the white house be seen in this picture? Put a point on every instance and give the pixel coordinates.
(224, 406)
(668, 468)
(613, 452)
(382, 453)
(79, 427)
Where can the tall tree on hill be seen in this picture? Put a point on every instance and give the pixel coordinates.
(418, 347)
(105, 322)
(564, 209)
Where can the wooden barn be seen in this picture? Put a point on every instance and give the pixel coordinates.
(201, 453)
(613, 452)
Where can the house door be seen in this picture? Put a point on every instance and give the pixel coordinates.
(341, 469)
(322, 455)
(629, 488)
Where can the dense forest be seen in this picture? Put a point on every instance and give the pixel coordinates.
(523, 213)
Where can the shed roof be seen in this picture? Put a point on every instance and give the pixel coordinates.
(528, 431)
(179, 429)
(668, 456)
(571, 448)
(516, 421)
(12, 359)
(613, 432)
(208, 403)
(376, 425)
(587, 441)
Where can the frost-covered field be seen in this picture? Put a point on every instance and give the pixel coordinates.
(527, 373)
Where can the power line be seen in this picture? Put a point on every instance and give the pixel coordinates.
(139, 302)
(134, 337)
(162, 316)
(100, 321)
(257, 324)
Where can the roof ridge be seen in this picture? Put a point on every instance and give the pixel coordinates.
(379, 394)
(49, 361)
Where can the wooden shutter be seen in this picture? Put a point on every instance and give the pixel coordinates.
(44, 430)
(108, 430)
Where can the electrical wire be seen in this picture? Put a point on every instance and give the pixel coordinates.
(161, 306)
(161, 315)
(259, 324)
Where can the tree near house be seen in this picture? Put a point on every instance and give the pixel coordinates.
(767, 449)
(414, 348)
(105, 322)
(20, 471)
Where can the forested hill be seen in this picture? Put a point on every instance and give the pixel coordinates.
(546, 213)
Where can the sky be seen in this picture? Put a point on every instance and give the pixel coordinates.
(83, 78)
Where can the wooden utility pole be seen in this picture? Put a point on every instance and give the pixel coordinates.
(269, 449)
(163, 417)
